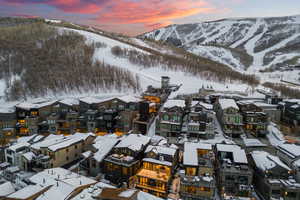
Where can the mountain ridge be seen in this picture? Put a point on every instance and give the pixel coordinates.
(260, 38)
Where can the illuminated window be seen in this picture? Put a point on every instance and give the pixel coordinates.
(34, 113)
(22, 121)
(191, 171)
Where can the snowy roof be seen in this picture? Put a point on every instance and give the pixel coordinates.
(87, 154)
(265, 161)
(206, 105)
(6, 189)
(190, 155)
(172, 103)
(161, 150)
(48, 141)
(92, 191)
(296, 163)
(26, 138)
(291, 150)
(228, 103)
(70, 140)
(134, 142)
(63, 183)
(27, 192)
(160, 162)
(34, 105)
(251, 142)
(129, 98)
(70, 101)
(95, 100)
(17, 146)
(239, 155)
(7, 110)
(29, 155)
(104, 145)
(13, 169)
(262, 104)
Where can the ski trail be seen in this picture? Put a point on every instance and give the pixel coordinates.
(249, 34)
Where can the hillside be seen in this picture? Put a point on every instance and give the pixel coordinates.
(56, 59)
(249, 44)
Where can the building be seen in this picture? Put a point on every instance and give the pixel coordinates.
(30, 114)
(254, 119)
(197, 180)
(155, 175)
(288, 153)
(62, 184)
(8, 123)
(170, 119)
(58, 151)
(125, 158)
(198, 124)
(14, 153)
(228, 114)
(290, 109)
(272, 110)
(234, 177)
(270, 171)
(102, 146)
(101, 191)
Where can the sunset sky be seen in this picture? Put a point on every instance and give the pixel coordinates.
(133, 17)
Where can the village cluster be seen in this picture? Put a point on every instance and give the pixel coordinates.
(206, 146)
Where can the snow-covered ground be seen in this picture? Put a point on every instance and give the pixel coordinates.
(261, 38)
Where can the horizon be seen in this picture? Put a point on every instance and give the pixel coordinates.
(134, 17)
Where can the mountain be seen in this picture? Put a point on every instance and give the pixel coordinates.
(246, 44)
(55, 59)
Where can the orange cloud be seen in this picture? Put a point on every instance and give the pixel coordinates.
(153, 11)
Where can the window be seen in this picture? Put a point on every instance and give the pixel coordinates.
(291, 194)
(191, 171)
(67, 158)
(166, 117)
(67, 150)
(75, 146)
(243, 180)
(229, 178)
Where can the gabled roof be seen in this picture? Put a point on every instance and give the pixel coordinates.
(228, 103)
(6, 188)
(118, 194)
(265, 161)
(291, 150)
(63, 182)
(28, 192)
(70, 101)
(135, 142)
(174, 103)
(34, 105)
(104, 145)
(161, 150)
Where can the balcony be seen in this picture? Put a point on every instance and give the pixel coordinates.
(121, 159)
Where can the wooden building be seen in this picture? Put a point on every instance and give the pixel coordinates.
(8, 123)
(198, 181)
(254, 119)
(169, 123)
(125, 159)
(234, 176)
(228, 114)
(155, 175)
(269, 171)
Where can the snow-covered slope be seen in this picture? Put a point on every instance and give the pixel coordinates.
(261, 42)
(152, 75)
